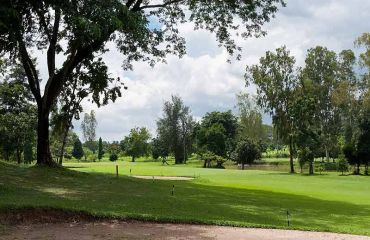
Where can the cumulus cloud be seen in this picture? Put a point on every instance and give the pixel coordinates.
(206, 81)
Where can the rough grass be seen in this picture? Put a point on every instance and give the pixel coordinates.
(326, 202)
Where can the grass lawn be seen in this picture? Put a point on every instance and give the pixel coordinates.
(252, 198)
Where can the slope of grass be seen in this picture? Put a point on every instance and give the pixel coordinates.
(231, 197)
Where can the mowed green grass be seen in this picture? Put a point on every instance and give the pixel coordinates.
(250, 198)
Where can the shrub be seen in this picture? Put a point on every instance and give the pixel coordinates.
(113, 157)
(342, 165)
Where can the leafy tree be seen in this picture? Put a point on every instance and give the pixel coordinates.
(100, 149)
(17, 113)
(81, 30)
(213, 138)
(276, 80)
(250, 119)
(350, 153)
(363, 145)
(28, 152)
(78, 151)
(305, 155)
(342, 165)
(88, 127)
(175, 128)
(209, 157)
(321, 70)
(217, 133)
(159, 149)
(137, 143)
(247, 152)
(113, 157)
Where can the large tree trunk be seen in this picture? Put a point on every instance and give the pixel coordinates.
(43, 147)
(291, 154)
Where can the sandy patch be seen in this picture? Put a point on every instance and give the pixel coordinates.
(164, 178)
(139, 230)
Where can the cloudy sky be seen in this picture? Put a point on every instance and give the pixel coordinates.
(204, 79)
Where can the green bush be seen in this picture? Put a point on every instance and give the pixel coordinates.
(342, 165)
(113, 157)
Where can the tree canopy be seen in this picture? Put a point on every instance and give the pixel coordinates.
(78, 32)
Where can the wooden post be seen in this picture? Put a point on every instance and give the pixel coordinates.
(173, 190)
(116, 170)
(287, 217)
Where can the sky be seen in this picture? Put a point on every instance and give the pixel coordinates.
(206, 81)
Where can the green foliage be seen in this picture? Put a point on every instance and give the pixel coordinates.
(342, 165)
(88, 127)
(100, 149)
(113, 157)
(250, 120)
(84, 28)
(175, 129)
(137, 143)
(350, 153)
(159, 149)
(17, 113)
(28, 152)
(247, 152)
(276, 79)
(217, 133)
(78, 151)
(209, 158)
(305, 155)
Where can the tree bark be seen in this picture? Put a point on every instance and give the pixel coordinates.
(291, 154)
(327, 154)
(242, 166)
(311, 168)
(64, 141)
(43, 147)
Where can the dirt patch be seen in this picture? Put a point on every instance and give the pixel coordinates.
(164, 178)
(57, 224)
(139, 230)
(35, 216)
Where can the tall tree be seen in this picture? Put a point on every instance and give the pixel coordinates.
(276, 79)
(250, 119)
(175, 128)
(17, 112)
(100, 149)
(80, 31)
(322, 70)
(88, 126)
(137, 143)
(78, 151)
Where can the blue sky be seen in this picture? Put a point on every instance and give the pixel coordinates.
(206, 81)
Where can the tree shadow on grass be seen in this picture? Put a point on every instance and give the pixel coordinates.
(124, 197)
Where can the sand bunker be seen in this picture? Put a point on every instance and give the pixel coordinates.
(165, 178)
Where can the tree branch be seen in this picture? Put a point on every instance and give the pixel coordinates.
(165, 4)
(53, 41)
(129, 3)
(30, 69)
(136, 7)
